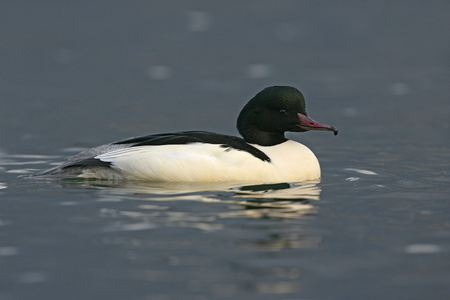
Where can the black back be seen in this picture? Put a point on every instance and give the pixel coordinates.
(189, 137)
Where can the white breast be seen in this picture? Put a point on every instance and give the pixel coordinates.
(290, 161)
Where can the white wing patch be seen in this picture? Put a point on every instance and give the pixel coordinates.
(193, 162)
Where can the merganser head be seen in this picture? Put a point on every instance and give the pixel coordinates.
(272, 112)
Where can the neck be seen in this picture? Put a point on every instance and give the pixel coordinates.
(251, 133)
(255, 136)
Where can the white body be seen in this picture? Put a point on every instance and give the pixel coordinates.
(199, 162)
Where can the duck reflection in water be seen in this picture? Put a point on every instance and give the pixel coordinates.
(282, 200)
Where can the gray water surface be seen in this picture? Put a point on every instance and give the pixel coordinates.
(376, 226)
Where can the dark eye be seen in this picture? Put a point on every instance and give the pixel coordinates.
(283, 112)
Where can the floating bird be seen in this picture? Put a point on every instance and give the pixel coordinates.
(263, 155)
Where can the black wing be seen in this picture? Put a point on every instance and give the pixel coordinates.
(189, 137)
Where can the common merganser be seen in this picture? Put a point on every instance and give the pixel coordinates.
(264, 155)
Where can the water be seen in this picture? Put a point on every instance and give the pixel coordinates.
(375, 227)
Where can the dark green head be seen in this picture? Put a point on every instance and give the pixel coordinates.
(272, 112)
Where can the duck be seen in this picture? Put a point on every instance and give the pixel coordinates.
(262, 155)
